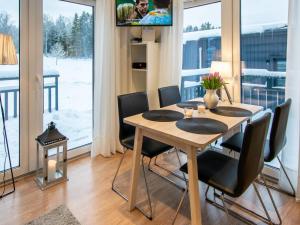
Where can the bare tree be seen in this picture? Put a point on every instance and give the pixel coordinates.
(57, 51)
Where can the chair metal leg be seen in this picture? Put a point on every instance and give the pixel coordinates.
(169, 171)
(293, 194)
(262, 203)
(180, 204)
(272, 199)
(293, 189)
(163, 177)
(206, 192)
(225, 207)
(221, 207)
(115, 189)
(180, 164)
(214, 194)
(230, 212)
(237, 215)
(113, 183)
(147, 190)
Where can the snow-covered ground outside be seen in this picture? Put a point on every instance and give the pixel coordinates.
(74, 117)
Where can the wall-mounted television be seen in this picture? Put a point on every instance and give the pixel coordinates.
(144, 12)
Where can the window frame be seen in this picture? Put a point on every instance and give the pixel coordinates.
(191, 4)
(231, 48)
(230, 38)
(82, 2)
(23, 94)
(34, 47)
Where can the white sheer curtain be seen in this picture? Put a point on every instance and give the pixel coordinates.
(111, 77)
(290, 155)
(171, 48)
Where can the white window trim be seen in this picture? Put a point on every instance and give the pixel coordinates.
(231, 44)
(195, 3)
(236, 49)
(82, 2)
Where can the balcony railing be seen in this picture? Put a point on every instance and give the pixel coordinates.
(259, 87)
(10, 91)
(191, 84)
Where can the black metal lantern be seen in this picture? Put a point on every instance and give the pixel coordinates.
(51, 157)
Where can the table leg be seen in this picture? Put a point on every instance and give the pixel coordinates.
(138, 141)
(194, 187)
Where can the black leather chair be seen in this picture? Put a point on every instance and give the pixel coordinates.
(231, 176)
(169, 96)
(129, 105)
(276, 142)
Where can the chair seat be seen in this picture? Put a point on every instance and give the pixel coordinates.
(236, 141)
(217, 170)
(150, 147)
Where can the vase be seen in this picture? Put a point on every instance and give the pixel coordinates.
(211, 99)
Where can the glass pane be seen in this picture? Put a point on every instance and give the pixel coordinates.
(263, 52)
(201, 46)
(68, 69)
(9, 85)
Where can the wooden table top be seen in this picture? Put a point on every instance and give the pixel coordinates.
(169, 129)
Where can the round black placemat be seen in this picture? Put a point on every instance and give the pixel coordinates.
(163, 115)
(190, 104)
(202, 126)
(231, 111)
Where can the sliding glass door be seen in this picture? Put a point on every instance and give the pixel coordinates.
(263, 52)
(10, 87)
(55, 41)
(201, 46)
(68, 50)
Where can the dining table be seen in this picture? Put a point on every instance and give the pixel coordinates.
(188, 142)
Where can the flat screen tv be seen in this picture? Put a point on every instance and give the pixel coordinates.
(144, 12)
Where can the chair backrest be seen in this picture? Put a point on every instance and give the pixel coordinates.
(278, 130)
(169, 96)
(129, 105)
(251, 160)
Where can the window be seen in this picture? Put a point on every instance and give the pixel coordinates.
(68, 69)
(263, 51)
(201, 46)
(9, 85)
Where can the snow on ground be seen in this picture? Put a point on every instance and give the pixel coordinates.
(74, 117)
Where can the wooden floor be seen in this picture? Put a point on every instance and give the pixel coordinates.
(89, 197)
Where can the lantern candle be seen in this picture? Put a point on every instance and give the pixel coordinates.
(51, 169)
(54, 162)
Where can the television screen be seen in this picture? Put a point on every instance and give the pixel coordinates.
(144, 12)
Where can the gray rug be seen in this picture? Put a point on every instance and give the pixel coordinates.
(60, 215)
